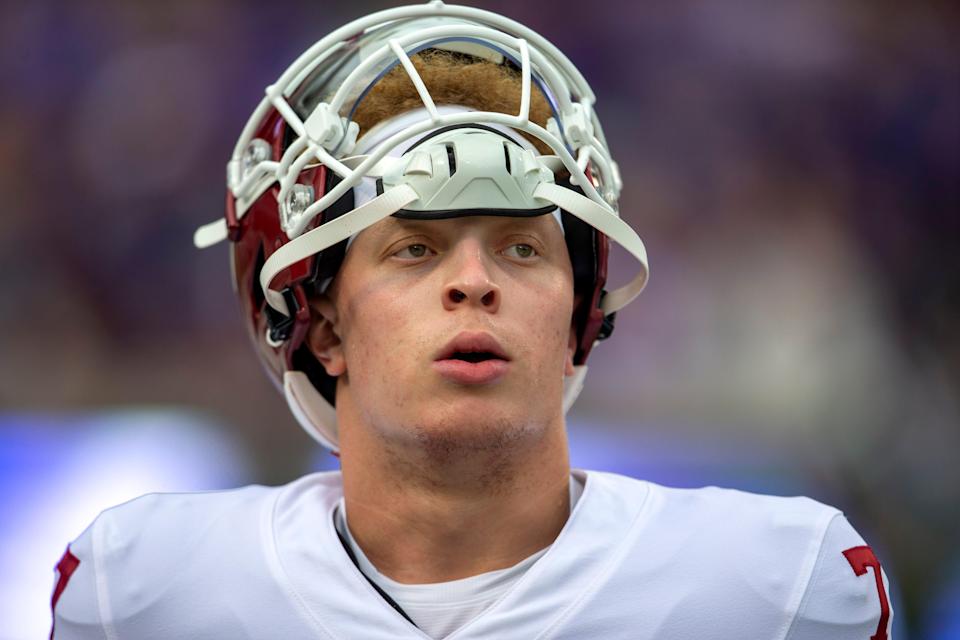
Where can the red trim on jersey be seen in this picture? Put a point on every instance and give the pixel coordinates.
(65, 568)
(860, 558)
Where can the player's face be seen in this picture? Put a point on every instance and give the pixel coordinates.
(414, 298)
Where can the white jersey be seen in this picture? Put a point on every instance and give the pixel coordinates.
(634, 561)
(441, 608)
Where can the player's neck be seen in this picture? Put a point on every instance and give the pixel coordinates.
(422, 521)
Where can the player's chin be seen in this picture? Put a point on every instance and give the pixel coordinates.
(468, 431)
(489, 410)
(474, 402)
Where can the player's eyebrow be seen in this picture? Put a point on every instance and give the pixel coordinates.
(390, 226)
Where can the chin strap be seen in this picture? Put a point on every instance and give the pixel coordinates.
(210, 234)
(459, 168)
(602, 218)
(329, 234)
(607, 222)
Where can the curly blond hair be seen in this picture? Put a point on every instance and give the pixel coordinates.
(452, 79)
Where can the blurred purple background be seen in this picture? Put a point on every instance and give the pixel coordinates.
(793, 168)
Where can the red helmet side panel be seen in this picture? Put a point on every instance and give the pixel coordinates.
(256, 236)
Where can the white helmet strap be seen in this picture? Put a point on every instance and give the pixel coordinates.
(434, 180)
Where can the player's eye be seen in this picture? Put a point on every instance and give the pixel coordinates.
(520, 250)
(413, 251)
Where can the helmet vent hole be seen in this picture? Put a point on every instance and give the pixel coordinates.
(451, 158)
(506, 156)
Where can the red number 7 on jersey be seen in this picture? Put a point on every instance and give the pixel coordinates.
(860, 558)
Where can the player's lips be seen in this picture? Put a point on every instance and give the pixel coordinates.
(472, 358)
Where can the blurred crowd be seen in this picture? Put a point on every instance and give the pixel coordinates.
(793, 167)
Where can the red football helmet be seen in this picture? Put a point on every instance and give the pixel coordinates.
(300, 183)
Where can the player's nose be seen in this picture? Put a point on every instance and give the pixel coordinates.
(469, 279)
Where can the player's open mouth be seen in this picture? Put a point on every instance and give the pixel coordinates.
(472, 358)
(479, 356)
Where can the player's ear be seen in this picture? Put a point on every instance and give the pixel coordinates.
(322, 337)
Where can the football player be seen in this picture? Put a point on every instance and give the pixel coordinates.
(419, 214)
